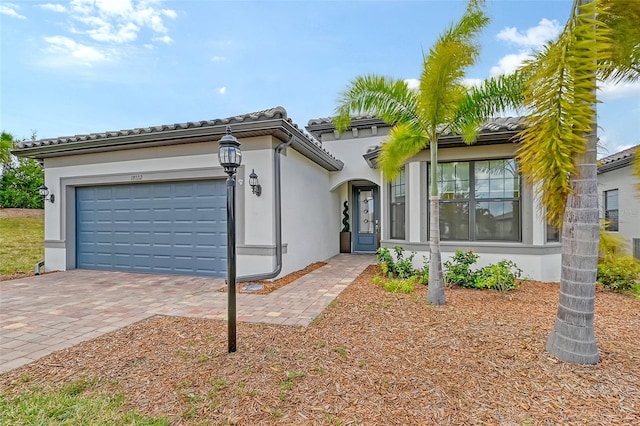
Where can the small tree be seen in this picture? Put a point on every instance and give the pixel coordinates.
(20, 178)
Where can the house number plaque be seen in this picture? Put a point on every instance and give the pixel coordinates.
(135, 178)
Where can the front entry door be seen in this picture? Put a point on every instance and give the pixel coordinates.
(366, 219)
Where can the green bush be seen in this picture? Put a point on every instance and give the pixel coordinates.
(501, 276)
(399, 285)
(458, 269)
(619, 273)
(399, 266)
(19, 185)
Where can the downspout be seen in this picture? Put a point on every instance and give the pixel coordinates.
(36, 269)
(278, 217)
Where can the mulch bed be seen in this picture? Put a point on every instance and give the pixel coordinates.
(372, 358)
(269, 286)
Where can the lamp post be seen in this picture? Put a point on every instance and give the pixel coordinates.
(230, 157)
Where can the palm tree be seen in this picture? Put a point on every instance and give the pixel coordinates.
(442, 104)
(558, 151)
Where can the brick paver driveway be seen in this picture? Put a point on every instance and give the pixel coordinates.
(43, 314)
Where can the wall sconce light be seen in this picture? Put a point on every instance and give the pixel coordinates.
(253, 181)
(44, 193)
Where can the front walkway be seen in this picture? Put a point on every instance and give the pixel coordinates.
(43, 314)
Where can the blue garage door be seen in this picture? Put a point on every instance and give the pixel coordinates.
(167, 227)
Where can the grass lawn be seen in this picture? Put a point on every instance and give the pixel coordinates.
(21, 245)
(372, 358)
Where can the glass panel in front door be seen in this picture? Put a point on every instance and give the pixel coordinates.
(365, 201)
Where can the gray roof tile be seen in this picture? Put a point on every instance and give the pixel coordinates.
(307, 145)
(618, 156)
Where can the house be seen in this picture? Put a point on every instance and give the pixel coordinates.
(619, 197)
(154, 199)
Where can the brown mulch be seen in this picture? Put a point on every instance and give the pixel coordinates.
(269, 286)
(373, 358)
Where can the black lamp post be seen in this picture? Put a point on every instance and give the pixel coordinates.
(230, 157)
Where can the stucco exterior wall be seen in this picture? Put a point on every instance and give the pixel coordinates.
(350, 151)
(623, 180)
(310, 212)
(254, 215)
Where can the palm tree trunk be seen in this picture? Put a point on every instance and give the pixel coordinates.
(435, 291)
(573, 337)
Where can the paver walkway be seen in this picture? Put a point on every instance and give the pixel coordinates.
(40, 315)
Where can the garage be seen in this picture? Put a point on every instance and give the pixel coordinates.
(162, 227)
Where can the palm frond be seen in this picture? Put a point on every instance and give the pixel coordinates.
(491, 98)
(386, 98)
(441, 89)
(404, 141)
(622, 17)
(560, 94)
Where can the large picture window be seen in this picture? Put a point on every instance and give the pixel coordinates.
(479, 200)
(397, 195)
(611, 210)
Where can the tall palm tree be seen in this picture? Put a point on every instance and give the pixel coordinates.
(558, 151)
(442, 104)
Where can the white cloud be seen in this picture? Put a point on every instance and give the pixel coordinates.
(53, 7)
(509, 63)
(164, 39)
(533, 37)
(472, 82)
(412, 83)
(218, 59)
(11, 10)
(609, 91)
(117, 21)
(222, 90)
(67, 51)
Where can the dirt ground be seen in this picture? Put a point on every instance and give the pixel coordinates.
(373, 358)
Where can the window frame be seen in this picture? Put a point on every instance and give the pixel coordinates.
(399, 183)
(608, 224)
(472, 200)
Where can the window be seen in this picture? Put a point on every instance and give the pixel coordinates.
(397, 194)
(553, 233)
(479, 200)
(611, 210)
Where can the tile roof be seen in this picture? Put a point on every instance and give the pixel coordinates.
(277, 112)
(617, 160)
(304, 143)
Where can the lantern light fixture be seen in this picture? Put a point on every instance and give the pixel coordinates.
(256, 188)
(46, 196)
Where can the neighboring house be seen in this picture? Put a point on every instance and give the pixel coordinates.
(619, 197)
(154, 199)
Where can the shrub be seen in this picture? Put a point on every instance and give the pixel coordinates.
(399, 285)
(385, 261)
(501, 276)
(399, 267)
(619, 273)
(458, 269)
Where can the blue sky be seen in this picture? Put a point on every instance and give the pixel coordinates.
(95, 65)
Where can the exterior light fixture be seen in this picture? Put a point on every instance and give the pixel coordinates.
(230, 156)
(44, 193)
(255, 185)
